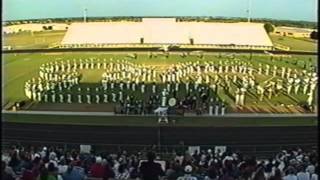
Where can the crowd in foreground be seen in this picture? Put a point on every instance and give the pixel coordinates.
(58, 164)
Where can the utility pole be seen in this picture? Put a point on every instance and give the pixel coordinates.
(316, 11)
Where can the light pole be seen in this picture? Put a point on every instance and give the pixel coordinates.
(159, 136)
(316, 11)
(249, 11)
(85, 15)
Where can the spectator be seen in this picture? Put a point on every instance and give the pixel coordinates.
(108, 172)
(277, 175)
(171, 172)
(36, 166)
(52, 172)
(290, 174)
(97, 170)
(150, 170)
(15, 162)
(27, 174)
(212, 173)
(44, 152)
(78, 167)
(315, 175)
(62, 167)
(72, 174)
(134, 171)
(122, 173)
(310, 169)
(228, 165)
(226, 175)
(8, 169)
(5, 175)
(268, 168)
(187, 175)
(259, 174)
(43, 173)
(302, 174)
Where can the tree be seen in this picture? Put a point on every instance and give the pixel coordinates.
(268, 27)
(314, 35)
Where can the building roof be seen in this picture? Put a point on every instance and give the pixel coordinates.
(167, 31)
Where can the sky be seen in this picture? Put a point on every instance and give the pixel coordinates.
(275, 9)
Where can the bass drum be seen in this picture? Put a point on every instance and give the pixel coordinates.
(172, 102)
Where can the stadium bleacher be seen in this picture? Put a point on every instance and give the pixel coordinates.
(58, 163)
(164, 31)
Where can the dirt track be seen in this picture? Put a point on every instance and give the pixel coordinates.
(266, 140)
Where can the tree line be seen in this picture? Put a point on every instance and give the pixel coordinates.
(290, 23)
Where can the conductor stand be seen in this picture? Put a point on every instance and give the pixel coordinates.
(163, 116)
(161, 111)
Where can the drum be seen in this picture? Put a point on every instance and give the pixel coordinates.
(172, 102)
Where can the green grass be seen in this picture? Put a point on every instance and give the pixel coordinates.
(300, 44)
(18, 68)
(152, 121)
(26, 40)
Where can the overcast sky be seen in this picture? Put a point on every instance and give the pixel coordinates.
(276, 9)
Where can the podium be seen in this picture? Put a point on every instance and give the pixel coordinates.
(162, 113)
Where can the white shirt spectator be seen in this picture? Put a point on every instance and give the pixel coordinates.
(187, 177)
(290, 177)
(122, 176)
(203, 157)
(314, 177)
(310, 169)
(10, 171)
(210, 161)
(59, 177)
(281, 166)
(303, 176)
(51, 161)
(5, 158)
(33, 156)
(62, 169)
(52, 155)
(208, 178)
(299, 157)
(43, 154)
(116, 165)
(179, 159)
(229, 158)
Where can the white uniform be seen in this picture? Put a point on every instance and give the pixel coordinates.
(69, 98)
(79, 99)
(97, 99)
(88, 99)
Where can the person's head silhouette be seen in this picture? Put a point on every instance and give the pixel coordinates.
(151, 156)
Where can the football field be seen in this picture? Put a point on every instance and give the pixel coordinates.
(19, 68)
